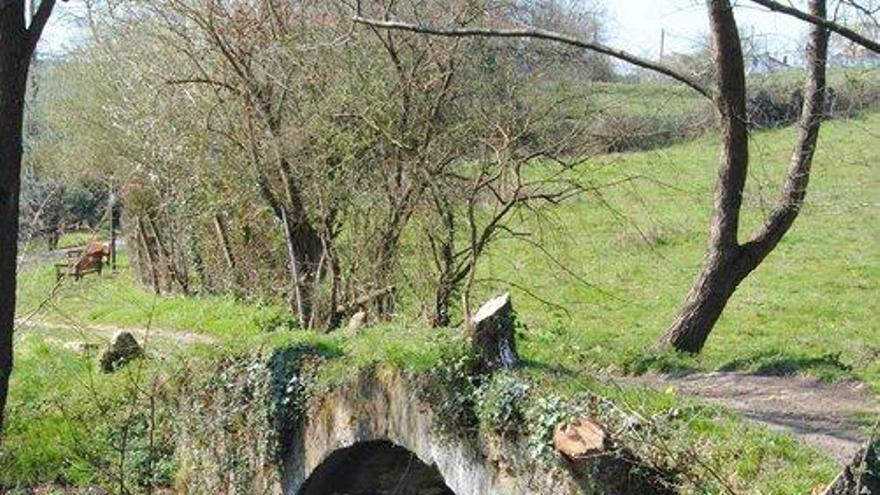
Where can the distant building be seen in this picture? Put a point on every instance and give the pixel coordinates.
(766, 63)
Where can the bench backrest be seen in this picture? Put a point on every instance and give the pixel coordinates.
(93, 257)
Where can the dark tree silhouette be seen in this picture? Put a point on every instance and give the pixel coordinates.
(17, 44)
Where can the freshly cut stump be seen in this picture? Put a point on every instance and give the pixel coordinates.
(492, 335)
(579, 439)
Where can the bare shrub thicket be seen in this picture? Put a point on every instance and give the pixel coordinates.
(278, 151)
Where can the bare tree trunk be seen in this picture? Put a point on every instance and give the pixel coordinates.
(442, 303)
(727, 262)
(303, 251)
(332, 273)
(304, 246)
(168, 257)
(445, 259)
(149, 255)
(235, 280)
(714, 286)
(13, 70)
(220, 227)
(114, 227)
(299, 301)
(53, 218)
(383, 305)
(16, 48)
(206, 284)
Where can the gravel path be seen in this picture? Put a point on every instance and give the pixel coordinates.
(71, 333)
(825, 415)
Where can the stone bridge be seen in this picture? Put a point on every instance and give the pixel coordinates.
(376, 435)
(376, 438)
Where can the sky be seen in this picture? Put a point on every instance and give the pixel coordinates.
(61, 32)
(634, 25)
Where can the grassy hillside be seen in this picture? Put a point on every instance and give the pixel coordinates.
(629, 117)
(618, 262)
(634, 247)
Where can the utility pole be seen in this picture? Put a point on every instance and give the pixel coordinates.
(662, 43)
(114, 226)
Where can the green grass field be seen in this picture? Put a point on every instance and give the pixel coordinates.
(810, 308)
(624, 258)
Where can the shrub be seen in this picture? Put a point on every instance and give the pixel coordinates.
(500, 403)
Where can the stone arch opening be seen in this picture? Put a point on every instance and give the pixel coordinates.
(374, 468)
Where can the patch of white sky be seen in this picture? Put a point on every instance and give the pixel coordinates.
(632, 25)
(65, 29)
(637, 26)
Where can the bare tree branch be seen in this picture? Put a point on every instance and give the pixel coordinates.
(795, 187)
(539, 34)
(821, 21)
(203, 80)
(38, 23)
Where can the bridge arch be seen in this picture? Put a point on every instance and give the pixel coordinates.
(377, 467)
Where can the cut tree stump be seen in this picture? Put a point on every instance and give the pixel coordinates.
(594, 455)
(492, 335)
(579, 439)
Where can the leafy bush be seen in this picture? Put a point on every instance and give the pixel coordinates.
(621, 132)
(500, 402)
(276, 321)
(88, 428)
(85, 203)
(451, 386)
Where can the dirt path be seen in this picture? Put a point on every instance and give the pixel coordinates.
(70, 332)
(825, 415)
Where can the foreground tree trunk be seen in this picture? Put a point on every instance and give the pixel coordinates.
(303, 251)
(727, 262)
(16, 48)
(11, 104)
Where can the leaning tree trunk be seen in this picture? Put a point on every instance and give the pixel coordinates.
(727, 262)
(148, 256)
(303, 250)
(715, 284)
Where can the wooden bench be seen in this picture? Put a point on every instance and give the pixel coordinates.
(81, 262)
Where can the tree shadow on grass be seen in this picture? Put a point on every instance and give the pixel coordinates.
(826, 367)
(667, 362)
(558, 370)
